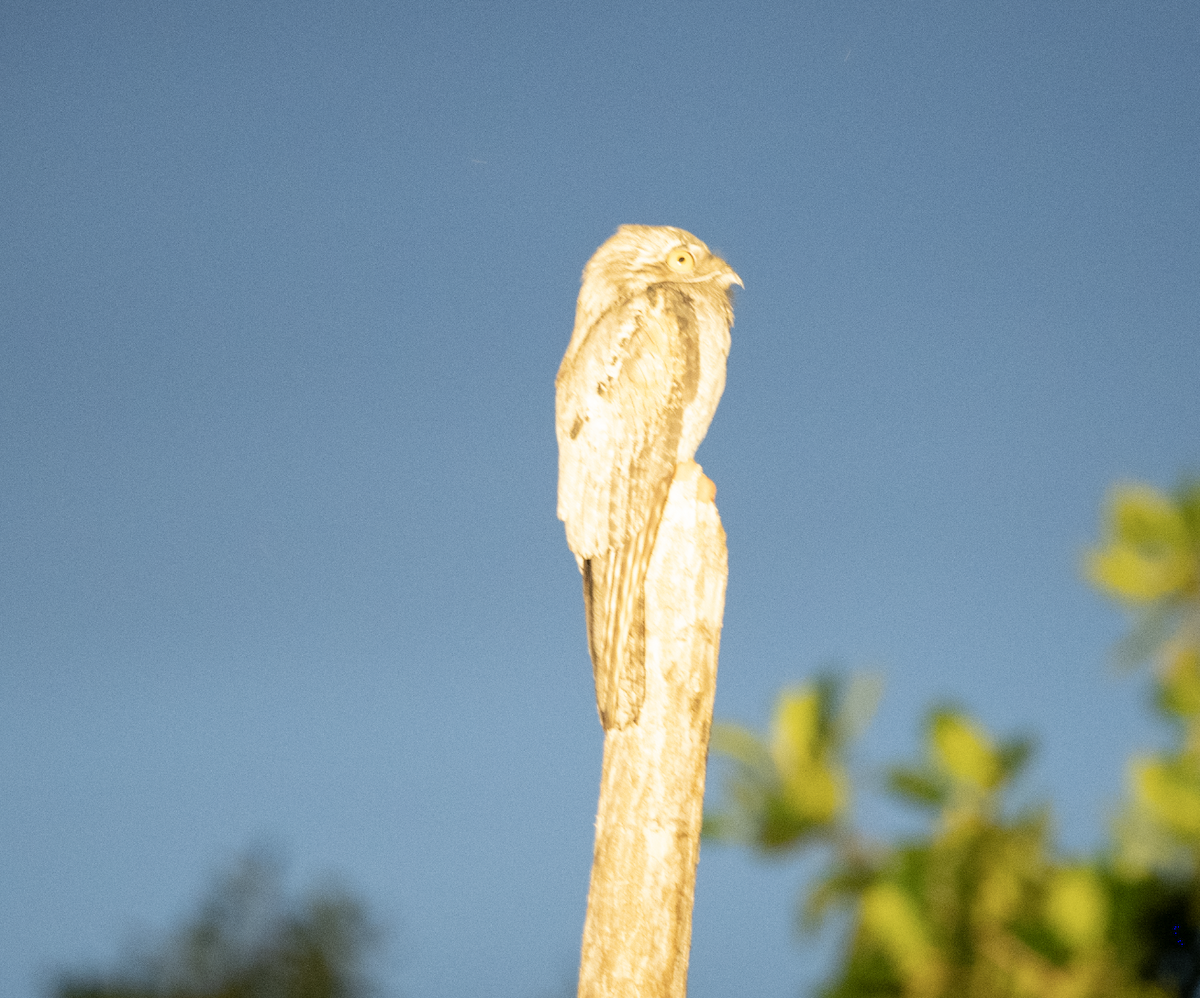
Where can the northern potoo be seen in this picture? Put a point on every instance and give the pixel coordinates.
(636, 391)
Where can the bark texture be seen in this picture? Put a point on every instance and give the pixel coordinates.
(638, 930)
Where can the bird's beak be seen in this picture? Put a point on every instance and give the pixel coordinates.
(727, 277)
(722, 274)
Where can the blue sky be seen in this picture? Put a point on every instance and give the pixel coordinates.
(283, 290)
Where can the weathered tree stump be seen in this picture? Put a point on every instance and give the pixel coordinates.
(638, 930)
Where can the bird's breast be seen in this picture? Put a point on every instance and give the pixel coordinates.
(710, 341)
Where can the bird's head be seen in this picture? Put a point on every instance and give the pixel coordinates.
(638, 256)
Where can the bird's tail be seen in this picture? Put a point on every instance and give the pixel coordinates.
(614, 598)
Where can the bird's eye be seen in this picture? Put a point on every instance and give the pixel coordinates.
(681, 261)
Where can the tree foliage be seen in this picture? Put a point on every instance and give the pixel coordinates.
(983, 904)
(249, 941)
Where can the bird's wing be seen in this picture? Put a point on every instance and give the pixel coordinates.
(619, 414)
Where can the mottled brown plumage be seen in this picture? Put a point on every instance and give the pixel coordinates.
(636, 391)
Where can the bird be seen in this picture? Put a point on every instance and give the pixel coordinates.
(634, 396)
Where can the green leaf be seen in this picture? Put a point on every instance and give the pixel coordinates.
(917, 786)
(857, 706)
(963, 750)
(741, 745)
(1014, 755)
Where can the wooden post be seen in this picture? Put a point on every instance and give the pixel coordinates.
(638, 930)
